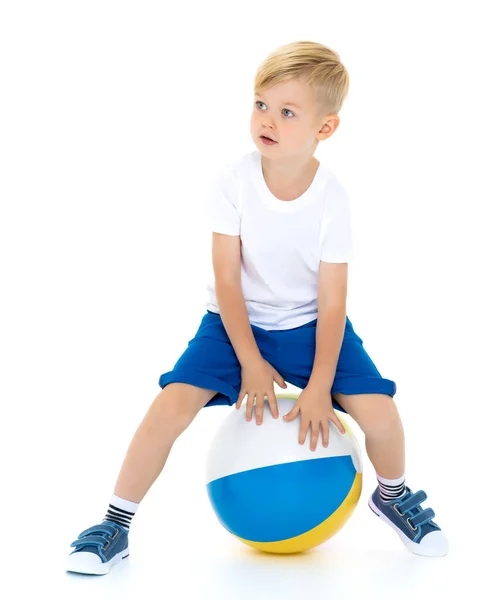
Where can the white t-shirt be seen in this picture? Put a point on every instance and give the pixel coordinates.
(282, 242)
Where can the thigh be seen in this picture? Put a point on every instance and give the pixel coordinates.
(355, 373)
(209, 362)
(183, 398)
(370, 411)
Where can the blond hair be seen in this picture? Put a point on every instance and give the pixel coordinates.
(309, 62)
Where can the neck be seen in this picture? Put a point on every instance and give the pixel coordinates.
(287, 173)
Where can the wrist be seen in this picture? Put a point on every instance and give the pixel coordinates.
(320, 385)
(250, 360)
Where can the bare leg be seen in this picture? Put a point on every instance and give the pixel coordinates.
(386, 451)
(378, 417)
(169, 415)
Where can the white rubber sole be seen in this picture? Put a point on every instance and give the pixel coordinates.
(429, 550)
(90, 564)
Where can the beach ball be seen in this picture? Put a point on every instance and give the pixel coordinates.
(275, 494)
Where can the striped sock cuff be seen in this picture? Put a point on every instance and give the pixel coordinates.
(121, 511)
(390, 489)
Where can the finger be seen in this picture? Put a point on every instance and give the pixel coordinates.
(279, 379)
(314, 436)
(325, 428)
(241, 396)
(303, 430)
(259, 408)
(249, 406)
(273, 404)
(338, 422)
(293, 413)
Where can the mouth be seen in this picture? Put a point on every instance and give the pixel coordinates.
(267, 139)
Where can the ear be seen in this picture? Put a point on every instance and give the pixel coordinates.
(328, 127)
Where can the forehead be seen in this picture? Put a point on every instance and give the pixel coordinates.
(286, 102)
(294, 93)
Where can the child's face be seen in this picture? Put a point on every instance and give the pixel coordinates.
(296, 129)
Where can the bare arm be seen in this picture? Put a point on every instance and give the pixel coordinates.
(226, 251)
(332, 298)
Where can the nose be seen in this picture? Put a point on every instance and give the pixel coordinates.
(267, 121)
(267, 124)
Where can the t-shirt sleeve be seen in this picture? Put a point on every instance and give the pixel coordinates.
(336, 230)
(221, 202)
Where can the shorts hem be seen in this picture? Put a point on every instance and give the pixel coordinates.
(365, 385)
(228, 394)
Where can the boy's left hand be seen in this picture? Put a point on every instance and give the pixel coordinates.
(316, 408)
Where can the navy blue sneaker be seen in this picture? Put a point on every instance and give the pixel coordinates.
(98, 549)
(413, 524)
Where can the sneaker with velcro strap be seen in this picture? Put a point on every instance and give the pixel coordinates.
(98, 549)
(414, 524)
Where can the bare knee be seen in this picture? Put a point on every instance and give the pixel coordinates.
(383, 421)
(179, 403)
(376, 414)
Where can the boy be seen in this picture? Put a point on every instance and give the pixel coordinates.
(276, 311)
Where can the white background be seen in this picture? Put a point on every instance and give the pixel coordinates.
(114, 119)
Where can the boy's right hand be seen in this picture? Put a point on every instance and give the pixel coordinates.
(257, 380)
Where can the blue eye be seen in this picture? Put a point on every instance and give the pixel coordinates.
(259, 102)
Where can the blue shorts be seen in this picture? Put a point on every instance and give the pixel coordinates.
(210, 361)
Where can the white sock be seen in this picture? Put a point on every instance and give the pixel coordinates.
(390, 489)
(121, 511)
